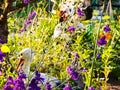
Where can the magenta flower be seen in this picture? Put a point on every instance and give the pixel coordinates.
(98, 56)
(107, 28)
(91, 88)
(67, 87)
(48, 86)
(79, 12)
(102, 41)
(71, 28)
(26, 1)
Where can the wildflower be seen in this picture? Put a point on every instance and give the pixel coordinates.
(21, 74)
(98, 56)
(0, 73)
(71, 28)
(73, 74)
(23, 29)
(76, 55)
(26, 1)
(19, 84)
(79, 12)
(108, 35)
(102, 41)
(48, 86)
(34, 85)
(9, 84)
(106, 17)
(5, 48)
(107, 28)
(91, 88)
(67, 87)
(2, 42)
(2, 55)
(32, 15)
(63, 16)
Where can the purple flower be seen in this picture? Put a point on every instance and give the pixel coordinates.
(2, 42)
(22, 75)
(9, 84)
(23, 29)
(38, 78)
(102, 41)
(32, 15)
(19, 84)
(48, 86)
(28, 22)
(71, 28)
(91, 88)
(76, 55)
(98, 56)
(35, 81)
(73, 74)
(2, 55)
(34, 85)
(67, 87)
(26, 1)
(107, 28)
(79, 12)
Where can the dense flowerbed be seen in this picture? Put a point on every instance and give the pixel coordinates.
(80, 53)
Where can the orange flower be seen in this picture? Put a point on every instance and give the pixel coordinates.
(107, 35)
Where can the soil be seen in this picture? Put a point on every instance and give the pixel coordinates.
(113, 85)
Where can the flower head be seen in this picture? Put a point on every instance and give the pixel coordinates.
(76, 55)
(102, 41)
(67, 87)
(98, 56)
(2, 55)
(107, 28)
(26, 1)
(91, 88)
(71, 28)
(73, 74)
(48, 86)
(79, 12)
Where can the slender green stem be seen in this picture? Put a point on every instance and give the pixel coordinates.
(95, 51)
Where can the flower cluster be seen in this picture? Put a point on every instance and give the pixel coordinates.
(73, 74)
(35, 81)
(104, 37)
(29, 20)
(91, 88)
(15, 84)
(48, 86)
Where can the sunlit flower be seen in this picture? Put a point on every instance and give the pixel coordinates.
(107, 28)
(71, 28)
(91, 88)
(5, 48)
(102, 41)
(106, 17)
(67, 87)
(108, 35)
(2, 55)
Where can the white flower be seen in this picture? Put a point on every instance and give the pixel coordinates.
(79, 25)
(57, 31)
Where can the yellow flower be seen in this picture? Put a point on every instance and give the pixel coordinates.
(106, 17)
(95, 12)
(5, 48)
